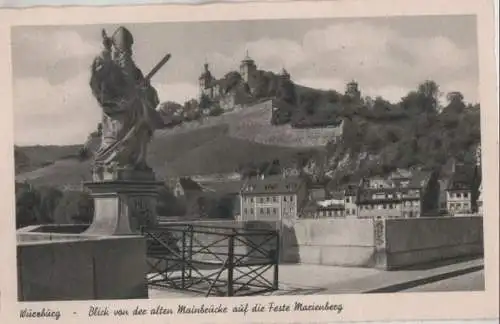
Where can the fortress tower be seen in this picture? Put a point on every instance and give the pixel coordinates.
(247, 68)
(284, 74)
(205, 82)
(352, 90)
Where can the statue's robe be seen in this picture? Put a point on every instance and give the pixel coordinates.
(129, 116)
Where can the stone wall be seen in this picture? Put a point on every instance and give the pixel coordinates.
(423, 240)
(337, 242)
(62, 267)
(384, 244)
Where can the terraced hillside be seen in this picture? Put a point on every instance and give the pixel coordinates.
(213, 145)
(253, 124)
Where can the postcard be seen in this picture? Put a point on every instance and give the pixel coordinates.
(250, 162)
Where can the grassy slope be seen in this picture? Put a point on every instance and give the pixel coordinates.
(200, 151)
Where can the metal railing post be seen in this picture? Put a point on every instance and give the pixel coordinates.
(190, 256)
(183, 254)
(230, 266)
(277, 261)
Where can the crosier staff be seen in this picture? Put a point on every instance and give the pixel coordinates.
(146, 81)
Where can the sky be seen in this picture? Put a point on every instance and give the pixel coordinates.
(387, 56)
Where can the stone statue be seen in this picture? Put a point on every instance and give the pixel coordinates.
(128, 102)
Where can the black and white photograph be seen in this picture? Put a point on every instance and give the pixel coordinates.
(250, 157)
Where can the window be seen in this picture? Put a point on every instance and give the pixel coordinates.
(354, 211)
(347, 200)
(466, 195)
(261, 200)
(262, 210)
(291, 198)
(284, 198)
(347, 212)
(245, 210)
(251, 200)
(275, 199)
(268, 199)
(268, 211)
(251, 210)
(275, 210)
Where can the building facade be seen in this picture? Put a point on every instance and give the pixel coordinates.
(380, 203)
(460, 192)
(272, 198)
(403, 194)
(350, 202)
(315, 210)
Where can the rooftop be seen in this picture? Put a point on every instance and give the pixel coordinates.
(272, 184)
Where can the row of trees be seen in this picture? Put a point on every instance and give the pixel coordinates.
(49, 205)
(413, 132)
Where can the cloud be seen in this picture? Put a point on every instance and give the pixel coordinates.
(67, 112)
(377, 57)
(53, 102)
(178, 92)
(47, 114)
(55, 54)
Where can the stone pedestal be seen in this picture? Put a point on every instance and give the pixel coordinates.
(123, 203)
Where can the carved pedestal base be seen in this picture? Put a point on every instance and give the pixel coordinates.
(122, 207)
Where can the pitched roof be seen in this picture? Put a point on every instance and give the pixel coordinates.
(224, 187)
(419, 178)
(189, 184)
(272, 184)
(313, 206)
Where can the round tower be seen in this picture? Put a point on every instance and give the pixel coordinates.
(352, 90)
(205, 81)
(247, 68)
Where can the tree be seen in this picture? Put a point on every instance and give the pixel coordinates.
(168, 204)
(191, 110)
(49, 199)
(27, 205)
(455, 96)
(205, 102)
(75, 207)
(216, 110)
(429, 91)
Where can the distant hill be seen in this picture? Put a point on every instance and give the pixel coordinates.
(362, 136)
(28, 158)
(221, 144)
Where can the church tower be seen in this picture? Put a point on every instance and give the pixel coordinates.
(247, 68)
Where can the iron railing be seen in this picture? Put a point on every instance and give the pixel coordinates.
(213, 260)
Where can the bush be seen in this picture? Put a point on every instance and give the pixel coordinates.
(75, 207)
(27, 205)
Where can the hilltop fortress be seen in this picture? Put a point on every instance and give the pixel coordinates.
(236, 89)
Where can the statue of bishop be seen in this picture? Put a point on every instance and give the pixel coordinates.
(128, 103)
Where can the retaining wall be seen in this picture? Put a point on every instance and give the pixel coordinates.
(80, 268)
